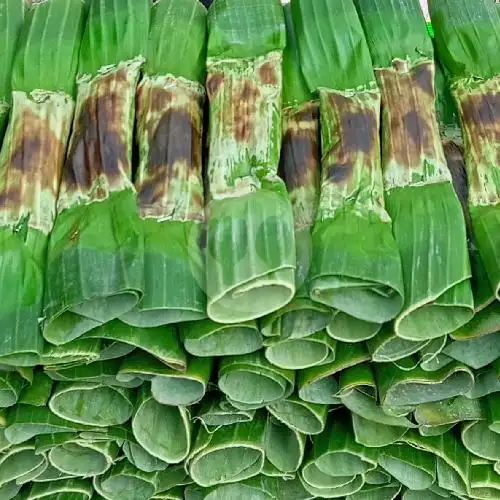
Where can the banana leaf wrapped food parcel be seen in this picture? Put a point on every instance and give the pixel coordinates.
(468, 52)
(169, 184)
(31, 161)
(95, 270)
(355, 265)
(250, 244)
(428, 223)
(295, 336)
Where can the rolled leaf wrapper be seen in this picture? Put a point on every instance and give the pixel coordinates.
(248, 201)
(299, 415)
(170, 386)
(300, 353)
(163, 431)
(39, 390)
(251, 381)
(387, 491)
(401, 389)
(75, 456)
(95, 267)
(336, 463)
(477, 352)
(11, 22)
(102, 372)
(208, 338)
(73, 353)
(318, 383)
(171, 482)
(355, 264)
(468, 54)
(31, 160)
(11, 385)
(299, 167)
(92, 403)
(387, 346)
(124, 481)
(25, 422)
(260, 487)
(453, 460)
(169, 184)
(161, 342)
(21, 464)
(231, 454)
(215, 411)
(79, 489)
(426, 214)
(284, 446)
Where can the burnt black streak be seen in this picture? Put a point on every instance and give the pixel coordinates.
(358, 131)
(175, 139)
(484, 109)
(299, 154)
(423, 78)
(412, 123)
(97, 147)
(338, 173)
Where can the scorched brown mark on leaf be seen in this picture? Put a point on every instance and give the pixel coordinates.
(267, 74)
(97, 146)
(299, 151)
(454, 155)
(244, 110)
(484, 109)
(414, 126)
(214, 83)
(424, 78)
(34, 160)
(174, 140)
(357, 133)
(340, 172)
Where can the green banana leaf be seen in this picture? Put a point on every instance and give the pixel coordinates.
(387, 346)
(360, 276)
(38, 130)
(25, 422)
(168, 180)
(161, 342)
(301, 416)
(91, 403)
(300, 353)
(124, 482)
(11, 385)
(74, 456)
(475, 87)
(171, 482)
(476, 352)
(170, 386)
(251, 381)
(95, 270)
(37, 393)
(415, 469)
(401, 390)
(103, 372)
(141, 459)
(284, 447)
(388, 491)
(208, 338)
(450, 411)
(426, 213)
(74, 353)
(215, 411)
(163, 431)
(21, 464)
(230, 454)
(248, 201)
(11, 22)
(78, 489)
(318, 383)
(257, 488)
